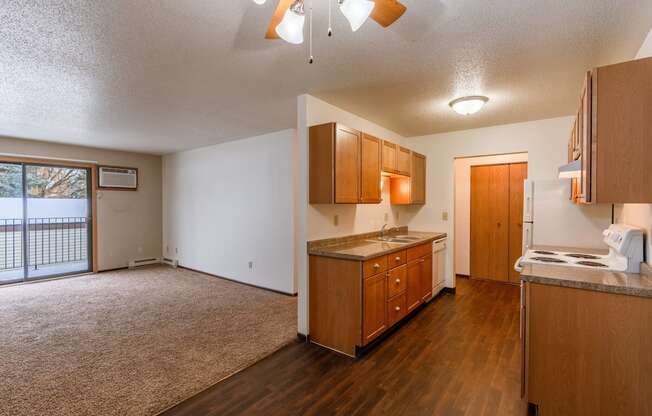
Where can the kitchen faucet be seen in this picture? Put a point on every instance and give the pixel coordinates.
(382, 231)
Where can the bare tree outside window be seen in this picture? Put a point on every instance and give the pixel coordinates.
(49, 182)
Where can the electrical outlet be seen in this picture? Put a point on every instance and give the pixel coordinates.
(251, 265)
(176, 250)
(444, 215)
(336, 220)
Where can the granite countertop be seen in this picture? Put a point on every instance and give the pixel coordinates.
(589, 279)
(365, 246)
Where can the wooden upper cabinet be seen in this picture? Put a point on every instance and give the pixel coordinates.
(585, 141)
(321, 168)
(347, 166)
(344, 166)
(410, 190)
(370, 161)
(390, 157)
(612, 135)
(418, 187)
(403, 161)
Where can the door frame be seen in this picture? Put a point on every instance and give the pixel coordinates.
(92, 167)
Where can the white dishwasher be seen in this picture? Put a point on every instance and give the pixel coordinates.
(438, 265)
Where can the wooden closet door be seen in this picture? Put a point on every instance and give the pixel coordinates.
(490, 222)
(517, 175)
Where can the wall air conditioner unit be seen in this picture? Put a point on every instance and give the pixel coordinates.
(111, 177)
(143, 262)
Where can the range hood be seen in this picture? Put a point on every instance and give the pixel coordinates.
(571, 170)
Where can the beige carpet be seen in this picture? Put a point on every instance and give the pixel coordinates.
(131, 342)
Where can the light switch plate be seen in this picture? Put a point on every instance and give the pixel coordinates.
(444, 215)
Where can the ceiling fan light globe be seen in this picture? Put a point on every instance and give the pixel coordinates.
(291, 27)
(260, 1)
(356, 12)
(467, 106)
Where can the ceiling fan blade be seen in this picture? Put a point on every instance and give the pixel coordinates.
(387, 12)
(282, 7)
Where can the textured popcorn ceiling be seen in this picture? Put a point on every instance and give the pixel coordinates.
(165, 75)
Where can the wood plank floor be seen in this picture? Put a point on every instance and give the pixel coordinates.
(458, 356)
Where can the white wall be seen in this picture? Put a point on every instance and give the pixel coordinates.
(462, 213)
(545, 141)
(317, 221)
(640, 215)
(232, 203)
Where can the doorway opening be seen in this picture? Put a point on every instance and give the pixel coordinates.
(489, 215)
(46, 220)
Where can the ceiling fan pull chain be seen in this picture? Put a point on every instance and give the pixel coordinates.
(312, 59)
(330, 18)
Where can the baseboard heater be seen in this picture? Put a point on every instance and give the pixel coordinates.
(170, 262)
(144, 262)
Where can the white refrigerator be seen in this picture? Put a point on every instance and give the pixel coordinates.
(551, 219)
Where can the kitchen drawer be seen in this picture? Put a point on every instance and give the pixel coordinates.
(374, 266)
(396, 309)
(396, 281)
(418, 251)
(396, 259)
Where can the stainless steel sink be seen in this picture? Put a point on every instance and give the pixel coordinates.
(394, 240)
(408, 237)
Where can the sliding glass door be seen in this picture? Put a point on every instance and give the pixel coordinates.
(45, 229)
(12, 265)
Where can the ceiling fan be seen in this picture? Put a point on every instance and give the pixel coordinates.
(288, 20)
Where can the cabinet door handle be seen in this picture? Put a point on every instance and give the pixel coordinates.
(398, 308)
(376, 266)
(397, 258)
(398, 281)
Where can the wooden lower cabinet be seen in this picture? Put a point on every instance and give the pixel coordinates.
(374, 311)
(396, 309)
(586, 352)
(352, 302)
(413, 289)
(426, 278)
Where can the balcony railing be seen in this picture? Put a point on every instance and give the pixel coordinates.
(53, 240)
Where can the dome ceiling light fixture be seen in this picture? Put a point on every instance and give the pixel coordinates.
(467, 106)
(288, 21)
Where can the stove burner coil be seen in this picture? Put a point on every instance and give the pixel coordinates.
(548, 260)
(545, 253)
(583, 256)
(591, 264)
